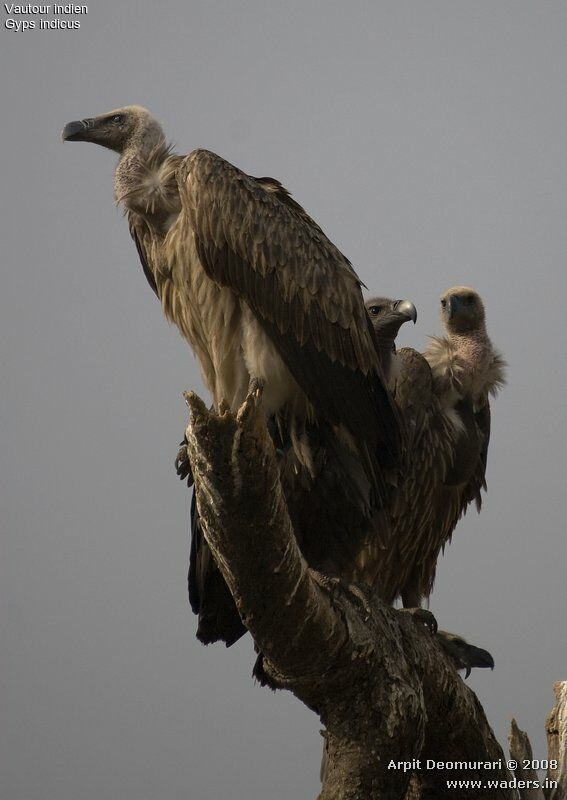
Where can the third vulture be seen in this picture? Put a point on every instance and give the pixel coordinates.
(442, 397)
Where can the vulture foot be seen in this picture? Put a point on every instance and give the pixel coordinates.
(182, 464)
(334, 585)
(423, 617)
(255, 387)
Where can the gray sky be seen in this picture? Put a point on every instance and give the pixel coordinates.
(429, 141)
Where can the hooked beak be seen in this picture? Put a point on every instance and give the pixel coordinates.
(481, 658)
(77, 131)
(454, 306)
(477, 657)
(407, 309)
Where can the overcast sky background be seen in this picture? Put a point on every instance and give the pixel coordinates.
(429, 141)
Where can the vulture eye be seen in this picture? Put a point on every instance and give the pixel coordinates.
(375, 310)
(443, 303)
(116, 119)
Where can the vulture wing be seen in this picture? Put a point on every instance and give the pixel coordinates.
(477, 480)
(443, 471)
(453, 497)
(142, 236)
(253, 237)
(428, 456)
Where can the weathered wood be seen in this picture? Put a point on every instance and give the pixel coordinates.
(556, 727)
(521, 751)
(384, 689)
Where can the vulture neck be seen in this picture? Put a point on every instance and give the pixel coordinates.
(465, 364)
(145, 180)
(484, 364)
(473, 347)
(387, 356)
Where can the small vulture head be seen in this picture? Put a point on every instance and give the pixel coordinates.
(462, 310)
(464, 655)
(117, 129)
(388, 316)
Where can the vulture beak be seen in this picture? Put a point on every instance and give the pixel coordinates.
(407, 309)
(77, 131)
(464, 655)
(454, 305)
(389, 318)
(477, 657)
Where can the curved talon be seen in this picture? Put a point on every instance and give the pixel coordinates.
(427, 619)
(322, 580)
(359, 594)
(424, 617)
(182, 463)
(255, 388)
(332, 584)
(253, 401)
(224, 408)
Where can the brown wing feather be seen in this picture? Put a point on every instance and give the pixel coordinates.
(451, 502)
(427, 457)
(440, 477)
(472, 490)
(140, 233)
(252, 237)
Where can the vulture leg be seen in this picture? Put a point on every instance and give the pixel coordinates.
(255, 385)
(333, 584)
(411, 597)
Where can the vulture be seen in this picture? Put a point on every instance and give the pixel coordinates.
(463, 654)
(442, 398)
(263, 297)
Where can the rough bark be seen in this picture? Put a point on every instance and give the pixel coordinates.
(383, 688)
(521, 751)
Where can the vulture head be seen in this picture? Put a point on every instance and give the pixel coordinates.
(464, 655)
(462, 310)
(117, 130)
(387, 317)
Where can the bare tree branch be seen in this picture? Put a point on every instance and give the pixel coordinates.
(385, 691)
(245, 520)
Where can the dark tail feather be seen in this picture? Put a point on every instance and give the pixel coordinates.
(209, 596)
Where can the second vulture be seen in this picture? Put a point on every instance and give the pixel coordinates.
(442, 397)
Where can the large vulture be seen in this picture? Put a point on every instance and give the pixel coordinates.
(442, 397)
(262, 295)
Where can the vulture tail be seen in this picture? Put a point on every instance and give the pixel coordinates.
(209, 596)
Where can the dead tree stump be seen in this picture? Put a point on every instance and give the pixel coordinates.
(385, 691)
